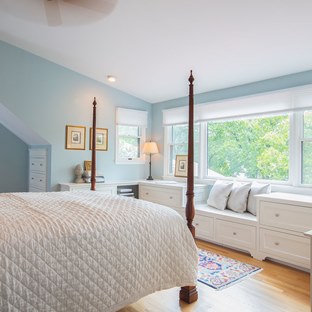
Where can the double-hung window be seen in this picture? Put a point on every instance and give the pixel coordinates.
(130, 135)
(178, 145)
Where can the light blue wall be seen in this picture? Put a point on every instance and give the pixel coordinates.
(278, 83)
(47, 97)
(13, 162)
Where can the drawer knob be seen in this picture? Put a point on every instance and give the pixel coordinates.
(276, 243)
(196, 223)
(32, 164)
(146, 193)
(41, 165)
(277, 215)
(40, 180)
(170, 197)
(234, 233)
(32, 178)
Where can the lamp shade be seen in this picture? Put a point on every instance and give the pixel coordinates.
(150, 148)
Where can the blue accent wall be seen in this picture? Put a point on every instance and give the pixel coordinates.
(284, 82)
(47, 97)
(13, 162)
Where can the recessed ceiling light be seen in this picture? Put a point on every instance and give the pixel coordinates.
(111, 78)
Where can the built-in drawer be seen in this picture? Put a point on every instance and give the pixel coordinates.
(37, 180)
(236, 234)
(284, 216)
(287, 247)
(37, 164)
(203, 227)
(163, 196)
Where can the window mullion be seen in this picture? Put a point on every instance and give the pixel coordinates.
(168, 143)
(295, 154)
(203, 150)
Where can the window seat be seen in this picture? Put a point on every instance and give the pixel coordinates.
(204, 210)
(226, 227)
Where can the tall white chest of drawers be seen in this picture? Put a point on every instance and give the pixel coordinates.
(283, 219)
(38, 170)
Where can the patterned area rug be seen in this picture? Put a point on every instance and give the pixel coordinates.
(220, 272)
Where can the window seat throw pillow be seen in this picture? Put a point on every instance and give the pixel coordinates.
(219, 194)
(238, 197)
(256, 189)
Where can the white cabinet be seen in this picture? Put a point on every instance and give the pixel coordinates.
(277, 232)
(288, 247)
(226, 227)
(163, 196)
(204, 227)
(236, 234)
(38, 170)
(171, 195)
(100, 187)
(283, 219)
(285, 216)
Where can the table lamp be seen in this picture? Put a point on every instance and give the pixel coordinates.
(150, 148)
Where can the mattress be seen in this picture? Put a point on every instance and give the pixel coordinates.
(88, 251)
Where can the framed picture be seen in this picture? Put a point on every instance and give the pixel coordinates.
(181, 166)
(87, 165)
(75, 137)
(101, 137)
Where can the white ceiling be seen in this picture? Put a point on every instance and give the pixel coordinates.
(151, 45)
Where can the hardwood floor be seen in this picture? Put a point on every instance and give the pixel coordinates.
(277, 288)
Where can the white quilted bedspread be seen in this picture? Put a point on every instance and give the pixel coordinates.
(88, 251)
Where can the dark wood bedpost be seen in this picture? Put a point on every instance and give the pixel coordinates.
(93, 147)
(189, 294)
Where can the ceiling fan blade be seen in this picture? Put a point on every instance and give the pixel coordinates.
(53, 13)
(100, 6)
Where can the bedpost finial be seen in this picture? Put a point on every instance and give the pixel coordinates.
(191, 78)
(94, 101)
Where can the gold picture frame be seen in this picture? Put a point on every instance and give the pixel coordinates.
(180, 169)
(87, 165)
(75, 137)
(101, 139)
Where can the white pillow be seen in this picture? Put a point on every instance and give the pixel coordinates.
(256, 189)
(219, 194)
(238, 197)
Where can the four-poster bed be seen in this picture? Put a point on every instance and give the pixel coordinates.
(89, 251)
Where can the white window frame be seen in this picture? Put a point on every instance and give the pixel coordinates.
(134, 161)
(131, 118)
(167, 147)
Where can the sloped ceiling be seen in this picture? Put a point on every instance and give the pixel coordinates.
(151, 45)
(17, 127)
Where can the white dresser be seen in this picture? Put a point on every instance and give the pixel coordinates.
(112, 187)
(38, 170)
(283, 219)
